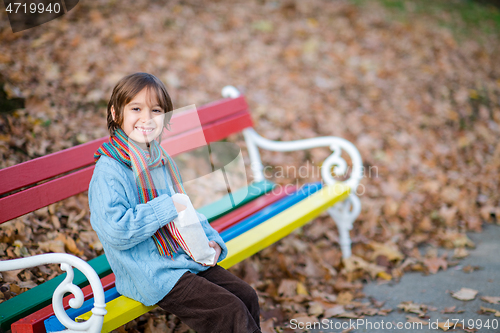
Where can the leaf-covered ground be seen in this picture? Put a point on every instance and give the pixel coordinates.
(422, 107)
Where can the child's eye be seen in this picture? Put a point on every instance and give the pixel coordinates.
(156, 110)
(135, 109)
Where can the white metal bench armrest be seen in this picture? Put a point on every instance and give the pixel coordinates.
(344, 213)
(67, 261)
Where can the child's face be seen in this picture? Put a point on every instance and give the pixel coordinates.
(142, 118)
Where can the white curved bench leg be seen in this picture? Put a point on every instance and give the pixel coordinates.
(344, 214)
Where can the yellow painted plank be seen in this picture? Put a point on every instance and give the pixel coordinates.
(120, 311)
(123, 309)
(282, 224)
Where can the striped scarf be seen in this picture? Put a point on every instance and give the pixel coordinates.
(128, 153)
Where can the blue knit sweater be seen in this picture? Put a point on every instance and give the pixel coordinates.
(125, 226)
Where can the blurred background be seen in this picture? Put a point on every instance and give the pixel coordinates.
(415, 85)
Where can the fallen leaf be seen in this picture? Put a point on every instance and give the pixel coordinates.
(384, 312)
(344, 297)
(434, 264)
(52, 246)
(465, 294)
(305, 320)
(301, 289)
(450, 309)
(412, 308)
(390, 250)
(412, 319)
(69, 243)
(267, 326)
(491, 299)
(334, 311)
(287, 288)
(470, 269)
(347, 314)
(11, 276)
(484, 309)
(460, 253)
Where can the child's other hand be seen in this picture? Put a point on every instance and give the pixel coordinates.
(218, 250)
(179, 207)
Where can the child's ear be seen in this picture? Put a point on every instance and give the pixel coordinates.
(113, 112)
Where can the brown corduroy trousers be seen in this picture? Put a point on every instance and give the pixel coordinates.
(214, 301)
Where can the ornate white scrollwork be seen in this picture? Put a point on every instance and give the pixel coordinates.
(67, 261)
(344, 213)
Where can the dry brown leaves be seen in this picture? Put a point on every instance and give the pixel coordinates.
(423, 110)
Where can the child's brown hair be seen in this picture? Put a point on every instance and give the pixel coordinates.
(126, 89)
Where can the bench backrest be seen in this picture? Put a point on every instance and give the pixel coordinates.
(43, 181)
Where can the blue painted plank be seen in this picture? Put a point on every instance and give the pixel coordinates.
(52, 324)
(270, 211)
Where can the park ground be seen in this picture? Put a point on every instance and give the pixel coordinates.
(415, 85)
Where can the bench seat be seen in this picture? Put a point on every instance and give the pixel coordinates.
(228, 232)
(41, 296)
(123, 309)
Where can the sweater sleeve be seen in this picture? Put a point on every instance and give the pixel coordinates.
(117, 222)
(213, 235)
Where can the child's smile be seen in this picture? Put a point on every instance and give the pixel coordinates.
(143, 118)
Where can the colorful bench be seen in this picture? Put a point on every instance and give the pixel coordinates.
(245, 225)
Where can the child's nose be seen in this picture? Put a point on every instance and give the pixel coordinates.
(146, 116)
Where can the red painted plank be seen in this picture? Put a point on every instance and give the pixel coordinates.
(31, 199)
(218, 130)
(222, 108)
(39, 196)
(196, 118)
(46, 167)
(34, 322)
(211, 133)
(250, 208)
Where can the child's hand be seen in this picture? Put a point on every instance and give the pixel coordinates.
(218, 250)
(179, 207)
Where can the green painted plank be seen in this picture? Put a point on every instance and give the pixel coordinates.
(41, 296)
(242, 196)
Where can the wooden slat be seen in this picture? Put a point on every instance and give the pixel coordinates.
(224, 205)
(283, 224)
(212, 132)
(46, 167)
(218, 130)
(39, 196)
(42, 195)
(193, 118)
(268, 212)
(124, 309)
(250, 208)
(34, 323)
(222, 108)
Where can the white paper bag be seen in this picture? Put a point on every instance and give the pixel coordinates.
(190, 229)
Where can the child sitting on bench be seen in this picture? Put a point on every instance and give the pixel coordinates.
(132, 213)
